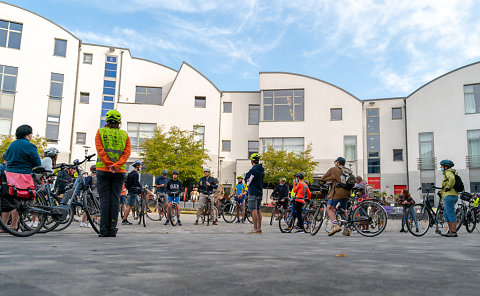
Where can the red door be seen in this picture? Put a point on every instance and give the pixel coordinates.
(397, 189)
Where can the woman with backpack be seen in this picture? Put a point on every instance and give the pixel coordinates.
(450, 196)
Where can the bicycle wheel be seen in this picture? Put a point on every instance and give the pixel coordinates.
(173, 214)
(144, 212)
(470, 221)
(68, 220)
(286, 222)
(229, 212)
(369, 218)
(317, 221)
(91, 206)
(248, 215)
(155, 210)
(25, 210)
(418, 219)
(208, 212)
(274, 213)
(441, 224)
(307, 220)
(460, 213)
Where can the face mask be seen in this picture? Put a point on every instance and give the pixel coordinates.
(442, 169)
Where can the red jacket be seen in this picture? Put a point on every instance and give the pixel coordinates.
(299, 190)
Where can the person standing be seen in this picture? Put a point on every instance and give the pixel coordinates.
(406, 200)
(254, 179)
(302, 193)
(161, 187)
(134, 189)
(174, 188)
(206, 186)
(113, 150)
(450, 197)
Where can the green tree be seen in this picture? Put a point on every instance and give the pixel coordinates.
(40, 142)
(281, 163)
(174, 150)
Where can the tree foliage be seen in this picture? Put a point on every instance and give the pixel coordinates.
(174, 150)
(281, 163)
(40, 142)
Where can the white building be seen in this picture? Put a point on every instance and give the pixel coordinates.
(63, 87)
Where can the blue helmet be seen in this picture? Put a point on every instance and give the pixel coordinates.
(137, 163)
(340, 160)
(447, 163)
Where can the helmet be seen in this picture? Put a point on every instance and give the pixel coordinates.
(93, 168)
(216, 180)
(175, 172)
(164, 172)
(136, 163)
(113, 115)
(299, 175)
(283, 179)
(51, 152)
(206, 170)
(255, 157)
(340, 160)
(447, 163)
(239, 177)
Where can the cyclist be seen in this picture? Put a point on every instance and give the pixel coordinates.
(240, 196)
(255, 191)
(302, 193)
(134, 188)
(174, 187)
(336, 195)
(475, 201)
(281, 190)
(91, 181)
(206, 186)
(161, 187)
(113, 150)
(450, 196)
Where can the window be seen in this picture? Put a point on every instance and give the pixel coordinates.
(473, 137)
(287, 144)
(397, 154)
(226, 145)
(60, 48)
(84, 98)
(10, 34)
(81, 138)
(54, 106)
(336, 114)
(253, 114)
(87, 58)
(283, 105)
(109, 86)
(350, 143)
(475, 187)
(200, 102)
(427, 161)
(396, 113)
(148, 95)
(472, 98)
(199, 133)
(139, 132)
(8, 85)
(227, 107)
(373, 141)
(252, 147)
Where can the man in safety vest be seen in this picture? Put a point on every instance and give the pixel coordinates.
(113, 150)
(302, 192)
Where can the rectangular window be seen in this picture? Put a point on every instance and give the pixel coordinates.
(87, 58)
(283, 105)
(200, 102)
(10, 34)
(84, 98)
(227, 107)
(472, 98)
(8, 85)
(473, 137)
(397, 154)
(475, 187)
(148, 95)
(373, 141)
(287, 144)
(199, 133)
(54, 106)
(397, 113)
(253, 114)
(60, 48)
(427, 156)
(109, 87)
(226, 145)
(81, 138)
(350, 143)
(139, 132)
(252, 147)
(336, 114)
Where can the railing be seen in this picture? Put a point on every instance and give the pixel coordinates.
(473, 162)
(426, 163)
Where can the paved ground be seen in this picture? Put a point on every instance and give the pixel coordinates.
(224, 260)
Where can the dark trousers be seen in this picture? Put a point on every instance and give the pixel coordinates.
(298, 208)
(109, 187)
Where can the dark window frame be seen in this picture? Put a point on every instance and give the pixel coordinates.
(398, 156)
(257, 108)
(79, 138)
(227, 104)
(393, 113)
(336, 109)
(227, 142)
(200, 98)
(55, 47)
(91, 59)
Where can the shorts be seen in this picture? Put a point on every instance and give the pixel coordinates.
(335, 202)
(254, 203)
(132, 198)
(174, 199)
(123, 199)
(240, 200)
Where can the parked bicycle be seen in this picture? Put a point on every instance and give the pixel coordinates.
(156, 208)
(233, 210)
(278, 209)
(470, 216)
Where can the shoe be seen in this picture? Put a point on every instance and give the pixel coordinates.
(450, 234)
(238, 221)
(243, 221)
(346, 232)
(416, 230)
(336, 228)
(83, 224)
(166, 222)
(35, 224)
(368, 231)
(126, 222)
(252, 231)
(30, 224)
(300, 231)
(196, 223)
(88, 225)
(402, 230)
(103, 235)
(259, 231)
(215, 223)
(179, 223)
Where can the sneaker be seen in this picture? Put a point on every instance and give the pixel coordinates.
(35, 224)
(252, 231)
(238, 221)
(196, 223)
(30, 224)
(166, 222)
(88, 225)
(450, 234)
(126, 222)
(336, 228)
(215, 223)
(416, 230)
(402, 230)
(179, 223)
(346, 232)
(243, 221)
(83, 224)
(300, 231)
(259, 231)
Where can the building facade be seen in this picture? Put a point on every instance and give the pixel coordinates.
(63, 87)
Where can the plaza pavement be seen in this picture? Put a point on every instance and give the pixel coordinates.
(224, 260)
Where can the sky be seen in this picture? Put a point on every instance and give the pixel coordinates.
(372, 49)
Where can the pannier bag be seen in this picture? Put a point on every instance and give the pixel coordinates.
(466, 196)
(19, 186)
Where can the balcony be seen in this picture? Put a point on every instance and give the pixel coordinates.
(424, 164)
(473, 162)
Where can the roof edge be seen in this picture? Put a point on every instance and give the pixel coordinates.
(156, 63)
(385, 99)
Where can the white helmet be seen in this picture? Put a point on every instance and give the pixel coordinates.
(51, 152)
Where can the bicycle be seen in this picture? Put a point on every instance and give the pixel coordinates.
(141, 206)
(173, 213)
(278, 209)
(232, 210)
(318, 217)
(207, 208)
(155, 208)
(286, 223)
(469, 218)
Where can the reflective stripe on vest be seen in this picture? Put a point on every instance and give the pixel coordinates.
(114, 142)
(305, 193)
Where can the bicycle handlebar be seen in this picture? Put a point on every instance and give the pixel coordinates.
(75, 164)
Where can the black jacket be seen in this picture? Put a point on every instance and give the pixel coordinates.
(63, 179)
(202, 185)
(282, 191)
(133, 183)
(174, 188)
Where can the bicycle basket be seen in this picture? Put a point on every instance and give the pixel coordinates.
(466, 196)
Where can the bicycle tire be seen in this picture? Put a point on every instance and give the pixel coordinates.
(317, 219)
(208, 212)
(24, 209)
(274, 212)
(248, 215)
(71, 214)
(440, 223)
(286, 222)
(307, 220)
(373, 214)
(230, 212)
(470, 221)
(460, 213)
(144, 212)
(91, 207)
(419, 219)
(155, 210)
(50, 223)
(173, 214)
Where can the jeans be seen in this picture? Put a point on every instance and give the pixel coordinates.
(109, 187)
(405, 217)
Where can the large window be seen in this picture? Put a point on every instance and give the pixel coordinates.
(109, 87)
(200, 102)
(227, 107)
(199, 131)
(427, 161)
(283, 105)
(60, 49)
(473, 148)
(336, 114)
(253, 114)
(373, 141)
(8, 85)
(139, 132)
(148, 95)
(252, 147)
(87, 58)
(54, 106)
(226, 145)
(396, 113)
(472, 98)
(350, 143)
(10, 34)
(288, 144)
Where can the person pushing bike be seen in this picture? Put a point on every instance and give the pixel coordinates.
(302, 192)
(240, 196)
(206, 187)
(174, 187)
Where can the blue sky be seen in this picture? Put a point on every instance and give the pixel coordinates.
(372, 49)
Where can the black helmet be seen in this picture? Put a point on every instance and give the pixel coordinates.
(93, 168)
(299, 175)
(175, 172)
(164, 172)
(340, 160)
(137, 163)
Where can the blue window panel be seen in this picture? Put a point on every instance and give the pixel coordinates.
(108, 106)
(16, 27)
(109, 91)
(112, 59)
(102, 123)
(109, 66)
(108, 83)
(107, 99)
(104, 112)
(110, 73)
(3, 24)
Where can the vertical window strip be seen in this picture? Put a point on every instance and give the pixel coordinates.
(109, 87)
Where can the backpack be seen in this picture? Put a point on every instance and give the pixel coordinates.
(367, 190)
(459, 187)
(347, 179)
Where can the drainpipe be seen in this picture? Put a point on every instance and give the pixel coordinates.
(75, 102)
(120, 76)
(406, 142)
(219, 135)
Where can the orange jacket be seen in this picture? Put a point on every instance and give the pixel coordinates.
(299, 189)
(104, 158)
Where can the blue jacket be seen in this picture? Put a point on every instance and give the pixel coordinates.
(162, 181)
(256, 186)
(22, 157)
